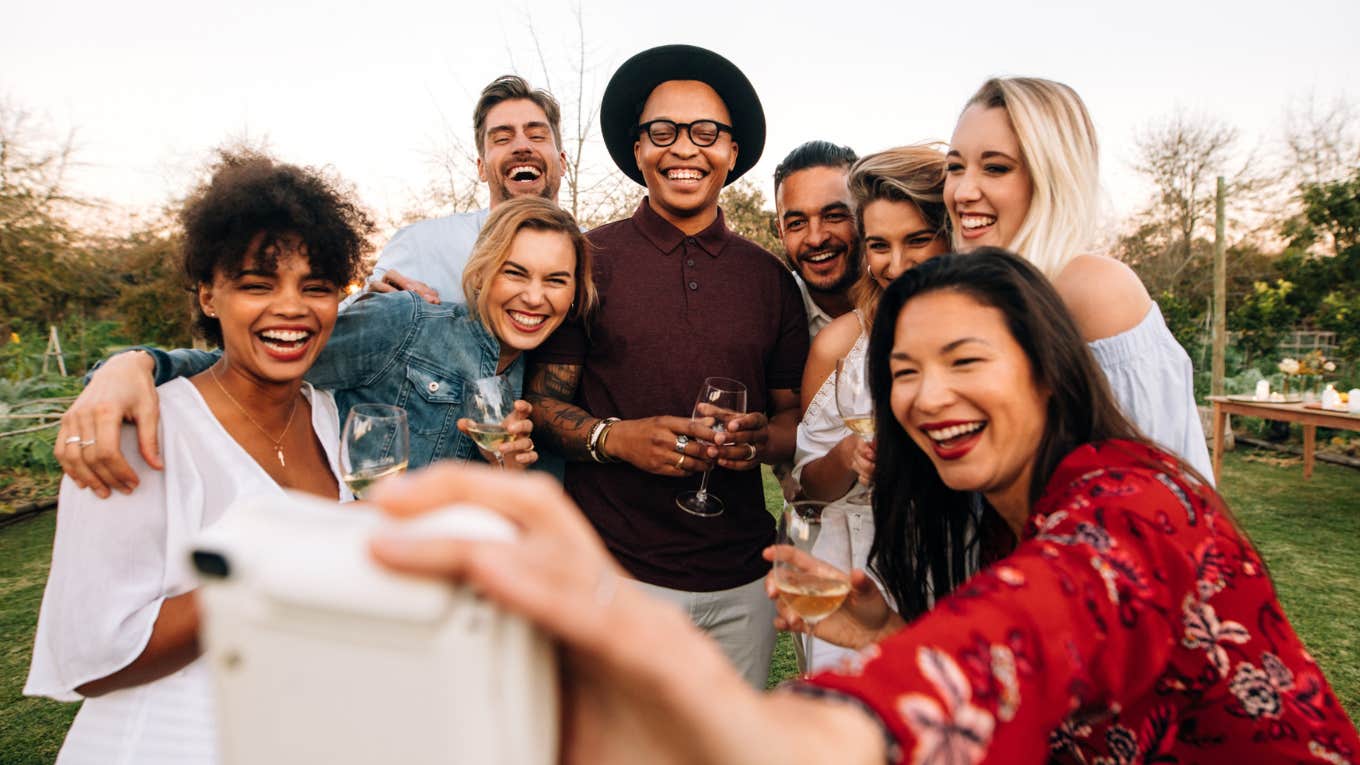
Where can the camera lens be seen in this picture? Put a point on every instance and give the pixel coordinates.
(212, 564)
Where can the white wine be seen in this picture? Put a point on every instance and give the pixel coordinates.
(490, 437)
(810, 596)
(359, 481)
(863, 426)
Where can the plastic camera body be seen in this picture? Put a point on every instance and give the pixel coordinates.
(321, 655)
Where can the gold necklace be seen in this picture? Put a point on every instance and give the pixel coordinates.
(278, 442)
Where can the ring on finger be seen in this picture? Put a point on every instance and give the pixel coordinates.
(680, 463)
(74, 440)
(680, 441)
(752, 456)
(88, 442)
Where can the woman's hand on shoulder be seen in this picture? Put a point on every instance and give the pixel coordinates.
(1104, 296)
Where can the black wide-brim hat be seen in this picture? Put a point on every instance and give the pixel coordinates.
(635, 80)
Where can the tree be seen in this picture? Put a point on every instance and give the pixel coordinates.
(152, 303)
(1322, 142)
(45, 269)
(743, 206)
(1181, 156)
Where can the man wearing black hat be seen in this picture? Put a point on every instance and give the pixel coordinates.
(683, 298)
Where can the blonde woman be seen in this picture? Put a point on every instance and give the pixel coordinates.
(1024, 174)
(899, 208)
(529, 271)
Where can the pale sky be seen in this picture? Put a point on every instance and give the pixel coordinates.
(150, 86)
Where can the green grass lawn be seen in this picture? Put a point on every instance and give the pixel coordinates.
(1306, 530)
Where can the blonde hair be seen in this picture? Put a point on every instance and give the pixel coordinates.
(913, 174)
(1058, 144)
(493, 244)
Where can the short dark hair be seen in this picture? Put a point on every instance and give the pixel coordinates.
(813, 154)
(250, 194)
(509, 87)
(926, 533)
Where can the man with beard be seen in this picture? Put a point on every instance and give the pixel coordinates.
(682, 298)
(817, 226)
(519, 152)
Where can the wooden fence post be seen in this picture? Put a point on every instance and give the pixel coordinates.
(1220, 296)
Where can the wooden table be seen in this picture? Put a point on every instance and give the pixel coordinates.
(1310, 419)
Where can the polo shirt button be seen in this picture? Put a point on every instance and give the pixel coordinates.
(694, 285)
(433, 386)
(690, 262)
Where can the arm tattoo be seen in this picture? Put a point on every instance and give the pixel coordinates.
(560, 424)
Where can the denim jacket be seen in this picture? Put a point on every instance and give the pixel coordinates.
(395, 349)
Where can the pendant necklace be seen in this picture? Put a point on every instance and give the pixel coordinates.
(278, 442)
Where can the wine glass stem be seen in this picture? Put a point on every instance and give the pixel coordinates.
(702, 494)
(500, 459)
(807, 653)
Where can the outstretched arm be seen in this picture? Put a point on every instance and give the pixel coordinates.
(637, 676)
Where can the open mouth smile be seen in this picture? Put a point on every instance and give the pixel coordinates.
(975, 224)
(523, 173)
(526, 322)
(285, 344)
(952, 440)
(685, 175)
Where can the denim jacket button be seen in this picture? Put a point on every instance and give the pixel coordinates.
(433, 386)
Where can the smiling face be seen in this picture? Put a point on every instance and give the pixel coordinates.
(818, 228)
(530, 294)
(897, 239)
(519, 154)
(684, 180)
(988, 186)
(274, 323)
(964, 391)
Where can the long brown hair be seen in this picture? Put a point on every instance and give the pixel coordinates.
(927, 533)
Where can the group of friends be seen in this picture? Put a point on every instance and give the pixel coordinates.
(1042, 567)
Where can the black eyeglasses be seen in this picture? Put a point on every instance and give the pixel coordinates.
(701, 132)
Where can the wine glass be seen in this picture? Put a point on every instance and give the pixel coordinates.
(814, 583)
(855, 406)
(487, 401)
(719, 400)
(376, 443)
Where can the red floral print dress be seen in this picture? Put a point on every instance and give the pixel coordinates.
(1132, 624)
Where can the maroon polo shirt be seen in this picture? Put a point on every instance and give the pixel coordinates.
(675, 309)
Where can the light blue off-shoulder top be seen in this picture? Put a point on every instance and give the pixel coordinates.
(1153, 381)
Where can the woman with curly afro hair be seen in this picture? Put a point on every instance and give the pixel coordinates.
(269, 247)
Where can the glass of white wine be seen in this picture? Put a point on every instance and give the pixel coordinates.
(814, 583)
(855, 406)
(720, 400)
(487, 401)
(376, 443)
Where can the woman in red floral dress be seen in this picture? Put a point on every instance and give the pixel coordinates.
(1121, 615)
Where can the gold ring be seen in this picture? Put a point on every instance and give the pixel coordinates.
(751, 457)
(679, 464)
